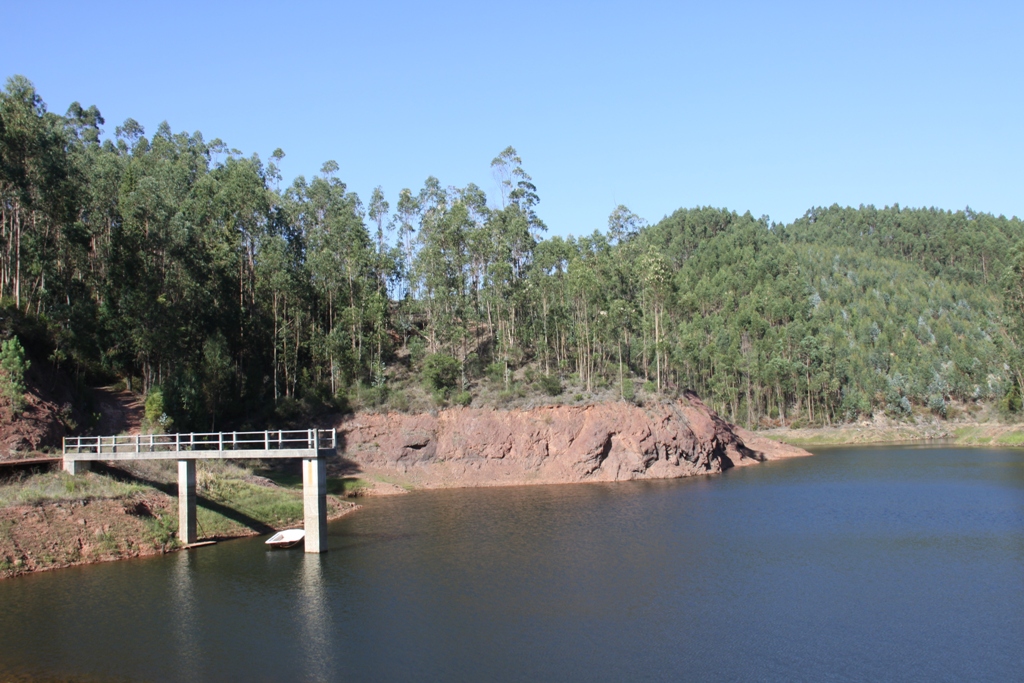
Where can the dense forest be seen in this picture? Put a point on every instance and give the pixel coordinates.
(187, 269)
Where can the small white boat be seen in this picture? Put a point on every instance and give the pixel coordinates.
(286, 538)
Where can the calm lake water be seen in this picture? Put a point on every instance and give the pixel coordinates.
(859, 564)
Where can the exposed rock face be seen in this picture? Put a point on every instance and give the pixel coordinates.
(555, 444)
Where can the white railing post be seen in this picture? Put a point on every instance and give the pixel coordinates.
(220, 441)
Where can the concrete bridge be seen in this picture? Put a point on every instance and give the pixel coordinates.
(311, 445)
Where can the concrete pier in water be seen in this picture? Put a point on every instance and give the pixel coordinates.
(312, 446)
(187, 502)
(314, 504)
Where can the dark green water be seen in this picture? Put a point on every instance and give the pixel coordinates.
(859, 564)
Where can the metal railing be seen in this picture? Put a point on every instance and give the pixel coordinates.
(278, 439)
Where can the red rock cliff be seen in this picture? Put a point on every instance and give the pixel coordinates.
(555, 444)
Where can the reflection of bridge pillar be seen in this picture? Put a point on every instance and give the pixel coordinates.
(187, 501)
(74, 467)
(314, 500)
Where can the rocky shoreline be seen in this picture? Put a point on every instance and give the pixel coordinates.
(615, 441)
(458, 447)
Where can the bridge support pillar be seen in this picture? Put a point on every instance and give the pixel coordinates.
(187, 502)
(314, 499)
(74, 467)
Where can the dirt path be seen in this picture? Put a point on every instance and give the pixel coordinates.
(120, 411)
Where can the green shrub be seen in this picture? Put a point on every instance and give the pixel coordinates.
(441, 372)
(155, 411)
(287, 408)
(342, 403)
(496, 372)
(462, 398)
(397, 400)
(154, 404)
(854, 404)
(1011, 402)
(937, 404)
(628, 390)
(14, 364)
(417, 349)
(551, 385)
(371, 397)
(650, 387)
(473, 365)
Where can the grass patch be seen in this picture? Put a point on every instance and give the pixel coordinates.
(162, 531)
(284, 479)
(824, 439)
(335, 486)
(61, 486)
(971, 435)
(270, 506)
(395, 482)
(1010, 439)
(108, 542)
(350, 485)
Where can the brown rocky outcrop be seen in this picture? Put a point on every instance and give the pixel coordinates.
(552, 444)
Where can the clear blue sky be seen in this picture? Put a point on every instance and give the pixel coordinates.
(766, 107)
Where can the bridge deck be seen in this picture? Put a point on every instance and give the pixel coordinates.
(305, 443)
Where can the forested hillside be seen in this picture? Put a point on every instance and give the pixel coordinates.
(186, 264)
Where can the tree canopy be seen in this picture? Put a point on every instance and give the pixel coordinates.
(183, 262)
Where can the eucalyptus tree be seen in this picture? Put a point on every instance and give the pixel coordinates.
(340, 261)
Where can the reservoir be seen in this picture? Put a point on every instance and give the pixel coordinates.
(882, 563)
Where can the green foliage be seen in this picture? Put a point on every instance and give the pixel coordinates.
(374, 396)
(154, 405)
(550, 385)
(417, 349)
(398, 400)
(156, 412)
(854, 404)
(288, 409)
(441, 372)
(180, 261)
(1011, 402)
(496, 372)
(462, 398)
(14, 365)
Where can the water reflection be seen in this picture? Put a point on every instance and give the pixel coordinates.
(185, 615)
(859, 564)
(315, 620)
